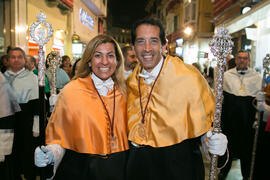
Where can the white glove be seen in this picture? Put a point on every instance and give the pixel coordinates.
(260, 106)
(43, 157)
(217, 143)
(260, 97)
(53, 99)
(2, 158)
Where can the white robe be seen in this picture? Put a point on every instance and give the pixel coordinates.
(248, 84)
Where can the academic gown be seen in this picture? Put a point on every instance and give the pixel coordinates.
(180, 110)
(9, 107)
(25, 88)
(80, 125)
(238, 115)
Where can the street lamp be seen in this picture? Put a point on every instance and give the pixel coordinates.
(188, 31)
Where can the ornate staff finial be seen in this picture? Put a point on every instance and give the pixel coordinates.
(221, 47)
(54, 61)
(40, 32)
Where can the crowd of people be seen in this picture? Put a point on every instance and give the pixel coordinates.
(19, 113)
(124, 113)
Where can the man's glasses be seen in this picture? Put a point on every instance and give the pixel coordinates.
(244, 58)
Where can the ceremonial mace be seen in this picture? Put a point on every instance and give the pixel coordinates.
(221, 47)
(266, 63)
(40, 32)
(54, 60)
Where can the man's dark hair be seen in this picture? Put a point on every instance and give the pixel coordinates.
(33, 60)
(244, 51)
(17, 49)
(3, 68)
(231, 63)
(149, 21)
(125, 49)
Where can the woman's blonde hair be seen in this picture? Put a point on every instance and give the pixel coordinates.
(84, 69)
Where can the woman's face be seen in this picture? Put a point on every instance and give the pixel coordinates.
(66, 62)
(104, 61)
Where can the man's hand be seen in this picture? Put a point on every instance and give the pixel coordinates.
(43, 156)
(260, 97)
(217, 143)
(53, 99)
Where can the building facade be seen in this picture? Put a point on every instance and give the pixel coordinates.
(74, 23)
(189, 27)
(248, 23)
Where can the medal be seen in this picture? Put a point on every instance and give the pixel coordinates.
(113, 143)
(141, 130)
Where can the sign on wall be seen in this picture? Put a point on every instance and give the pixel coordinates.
(86, 19)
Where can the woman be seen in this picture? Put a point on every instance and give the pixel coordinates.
(88, 124)
(66, 65)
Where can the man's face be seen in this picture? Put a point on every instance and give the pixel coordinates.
(148, 46)
(28, 63)
(16, 61)
(242, 60)
(130, 60)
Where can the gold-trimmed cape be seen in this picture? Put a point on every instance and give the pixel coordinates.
(181, 106)
(79, 121)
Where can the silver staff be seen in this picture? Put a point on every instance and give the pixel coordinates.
(54, 61)
(40, 32)
(221, 47)
(266, 69)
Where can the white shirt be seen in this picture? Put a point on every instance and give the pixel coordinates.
(248, 84)
(103, 87)
(150, 77)
(127, 73)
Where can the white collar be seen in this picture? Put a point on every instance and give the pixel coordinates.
(103, 87)
(149, 77)
(127, 73)
(15, 73)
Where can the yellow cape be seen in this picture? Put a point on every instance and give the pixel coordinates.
(79, 121)
(181, 105)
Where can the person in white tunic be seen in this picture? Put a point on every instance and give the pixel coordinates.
(241, 86)
(8, 108)
(24, 84)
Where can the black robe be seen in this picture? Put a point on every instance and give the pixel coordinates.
(238, 116)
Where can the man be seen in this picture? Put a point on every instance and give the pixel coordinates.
(30, 63)
(241, 85)
(130, 60)
(25, 87)
(170, 106)
(8, 108)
